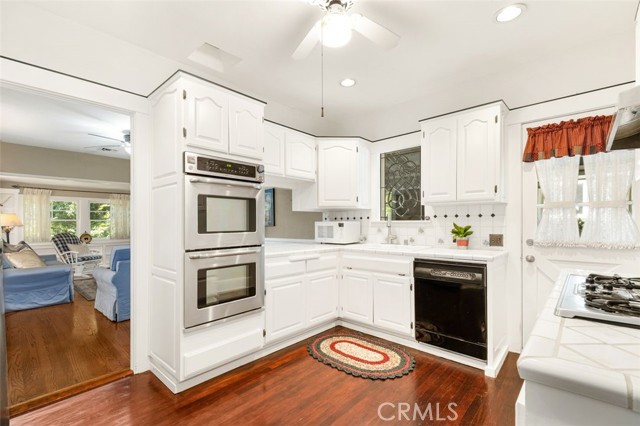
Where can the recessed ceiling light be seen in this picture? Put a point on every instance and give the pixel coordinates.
(348, 82)
(510, 13)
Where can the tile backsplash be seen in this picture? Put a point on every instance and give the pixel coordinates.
(484, 220)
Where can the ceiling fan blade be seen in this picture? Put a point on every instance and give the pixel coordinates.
(308, 43)
(105, 137)
(374, 31)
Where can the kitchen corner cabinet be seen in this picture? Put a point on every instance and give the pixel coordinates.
(218, 120)
(343, 173)
(377, 290)
(289, 153)
(301, 293)
(461, 156)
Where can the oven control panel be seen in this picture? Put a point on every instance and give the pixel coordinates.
(219, 167)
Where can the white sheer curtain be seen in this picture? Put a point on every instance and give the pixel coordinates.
(119, 216)
(558, 180)
(608, 224)
(37, 215)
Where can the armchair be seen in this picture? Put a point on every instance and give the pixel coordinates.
(81, 263)
(113, 295)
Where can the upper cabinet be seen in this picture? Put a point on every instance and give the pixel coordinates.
(461, 156)
(343, 173)
(289, 153)
(218, 120)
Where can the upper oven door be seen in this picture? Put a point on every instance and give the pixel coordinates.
(222, 213)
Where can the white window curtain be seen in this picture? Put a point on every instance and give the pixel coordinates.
(558, 181)
(37, 215)
(608, 224)
(119, 217)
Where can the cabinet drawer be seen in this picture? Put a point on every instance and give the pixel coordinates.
(283, 267)
(378, 263)
(324, 262)
(214, 346)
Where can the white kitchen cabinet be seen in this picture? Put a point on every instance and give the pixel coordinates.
(300, 155)
(274, 146)
(246, 128)
(207, 117)
(356, 296)
(392, 303)
(322, 297)
(286, 301)
(478, 155)
(438, 157)
(302, 293)
(461, 156)
(343, 173)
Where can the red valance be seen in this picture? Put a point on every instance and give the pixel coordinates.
(574, 137)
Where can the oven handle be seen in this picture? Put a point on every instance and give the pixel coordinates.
(225, 182)
(196, 256)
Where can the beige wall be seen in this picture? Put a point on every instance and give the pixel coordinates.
(31, 160)
(289, 224)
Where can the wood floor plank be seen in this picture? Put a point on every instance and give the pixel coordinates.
(57, 351)
(289, 387)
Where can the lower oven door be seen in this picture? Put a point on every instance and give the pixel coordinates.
(222, 283)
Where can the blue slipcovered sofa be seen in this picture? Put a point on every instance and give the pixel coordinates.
(37, 287)
(113, 296)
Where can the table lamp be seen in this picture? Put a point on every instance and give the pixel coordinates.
(8, 221)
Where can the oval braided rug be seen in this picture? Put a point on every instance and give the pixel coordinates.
(361, 356)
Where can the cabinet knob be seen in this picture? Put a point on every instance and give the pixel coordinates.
(530, 259)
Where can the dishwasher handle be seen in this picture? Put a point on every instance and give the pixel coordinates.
(449, 275)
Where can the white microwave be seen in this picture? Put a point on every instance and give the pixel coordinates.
(338, 232)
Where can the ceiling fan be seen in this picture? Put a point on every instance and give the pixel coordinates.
(335, 28)
(124, 143)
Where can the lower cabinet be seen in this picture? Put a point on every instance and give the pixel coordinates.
(285, 307)
(302, 293)
(377, 298)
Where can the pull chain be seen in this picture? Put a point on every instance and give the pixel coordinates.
(322, 70)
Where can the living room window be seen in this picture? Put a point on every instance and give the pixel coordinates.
(64, 217)
(78, 215)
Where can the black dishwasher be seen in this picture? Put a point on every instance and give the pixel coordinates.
(451, 306)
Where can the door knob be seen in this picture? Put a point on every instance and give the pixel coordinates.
(529, 242)
(530, 259)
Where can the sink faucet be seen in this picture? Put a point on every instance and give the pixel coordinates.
(390, 237)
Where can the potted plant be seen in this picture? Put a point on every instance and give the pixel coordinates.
(461, 235)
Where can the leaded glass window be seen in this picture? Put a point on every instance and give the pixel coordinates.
(400, 185)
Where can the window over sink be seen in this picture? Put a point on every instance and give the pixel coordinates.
(400, 185)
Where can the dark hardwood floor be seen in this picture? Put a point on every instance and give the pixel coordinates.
(290, 387)
(57, 351)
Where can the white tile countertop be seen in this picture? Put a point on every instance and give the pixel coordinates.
(593, 359)
(278, 247)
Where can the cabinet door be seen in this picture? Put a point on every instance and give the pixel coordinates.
(246, 128)
(478, 155)
(337, 173)
(274, 140)
(392, 303)
(439, 160)
(300, 158)
(356, 296)
(322, 297)
(285, 307)
(207, 118)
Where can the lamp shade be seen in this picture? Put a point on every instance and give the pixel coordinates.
(10, 219)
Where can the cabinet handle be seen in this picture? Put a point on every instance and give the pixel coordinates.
(403, 275)
(348, 267)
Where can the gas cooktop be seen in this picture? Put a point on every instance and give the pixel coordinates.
(601, 297)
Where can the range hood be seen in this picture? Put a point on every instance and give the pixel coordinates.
(625, 130)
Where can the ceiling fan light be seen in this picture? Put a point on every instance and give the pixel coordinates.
(509, 13)
(336, 30)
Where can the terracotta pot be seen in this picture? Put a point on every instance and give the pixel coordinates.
(462, 243)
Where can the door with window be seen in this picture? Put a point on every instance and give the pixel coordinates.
(541, 266)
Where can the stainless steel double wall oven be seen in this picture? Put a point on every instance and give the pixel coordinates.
(224, 238)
